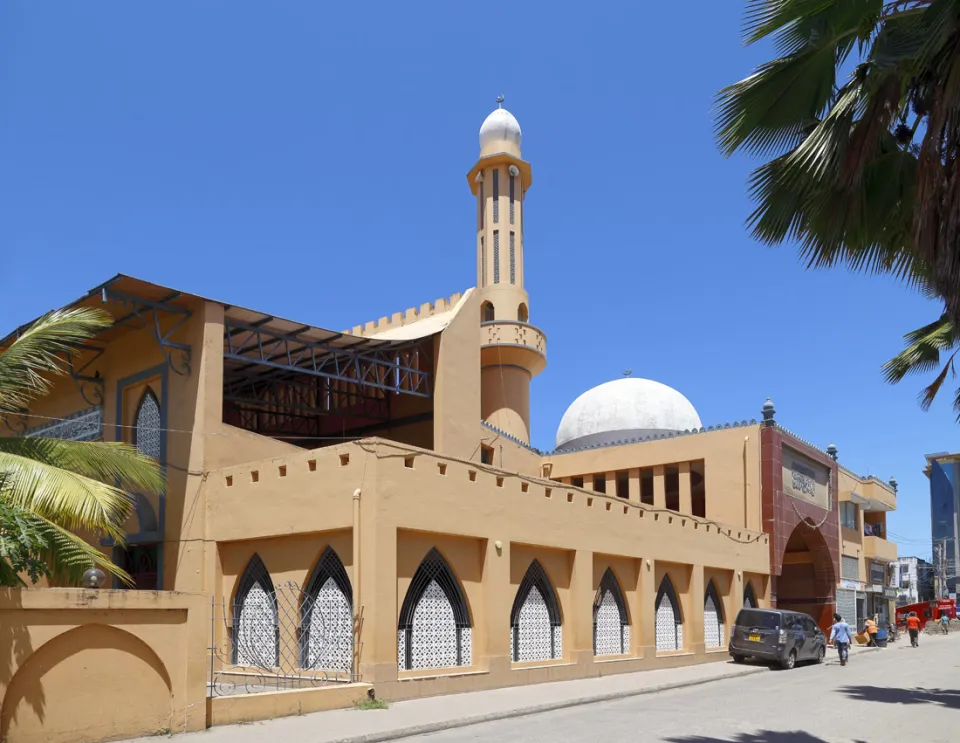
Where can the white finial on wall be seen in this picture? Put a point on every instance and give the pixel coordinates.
(500, 100)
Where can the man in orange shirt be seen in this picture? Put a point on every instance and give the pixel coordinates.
(913, 627)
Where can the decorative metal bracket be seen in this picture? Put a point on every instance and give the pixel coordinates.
(90, 386)
(177, 355)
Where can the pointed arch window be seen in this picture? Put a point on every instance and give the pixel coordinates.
(669, 617)
(749, 597)
(536, 625)
(256, 640)
(611, 627)
(326, 617)
(147, 436)
(434, 629)
(713, 630)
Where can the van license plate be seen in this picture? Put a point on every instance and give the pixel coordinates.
(754, 638)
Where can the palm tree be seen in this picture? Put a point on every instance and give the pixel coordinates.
(50, 489)
(922, 353)
(858, 118)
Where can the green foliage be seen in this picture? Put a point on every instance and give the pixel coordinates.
(50, 489)
(858, 118)
(368, 704)
(923, 351)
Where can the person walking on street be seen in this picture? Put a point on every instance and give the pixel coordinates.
(944, 622)
(841, 635)
(913, 627)
(871, 626)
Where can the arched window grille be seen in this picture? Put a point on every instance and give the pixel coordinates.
(749, 597)
(669, 617)
(713, 631)
(536, 631)
(147, 435)
(256, 639)
(496, 196)
(434, 629)
(326, 617)
(611, 627)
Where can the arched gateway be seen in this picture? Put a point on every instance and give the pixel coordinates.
(807, 581)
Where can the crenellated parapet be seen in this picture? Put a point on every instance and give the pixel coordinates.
(407, 317)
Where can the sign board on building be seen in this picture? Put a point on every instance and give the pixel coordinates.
(890, 593)
(851, 584)
(877, 572)
(805, 479)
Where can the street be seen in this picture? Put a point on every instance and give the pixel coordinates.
(896, 694)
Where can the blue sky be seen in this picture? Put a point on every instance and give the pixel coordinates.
(308, 159)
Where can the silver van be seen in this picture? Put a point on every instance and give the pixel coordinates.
(778, 636)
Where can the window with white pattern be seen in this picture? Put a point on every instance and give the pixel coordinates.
(326, 623)
(255, 626)
(611, 627)
(668, 617)
(146, 432)
(434, 629)
(536, 627)
(713, 630)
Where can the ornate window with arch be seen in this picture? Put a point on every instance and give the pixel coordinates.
(147, 436)
(749, 597)
(611, 626)
(434, 629)
(487, 312)
(713, 631)
(536, 625)
(669, 617)
(326, 616)
(523, 314)
(256, 639)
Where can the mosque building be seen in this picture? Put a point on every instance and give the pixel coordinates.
(366, 503)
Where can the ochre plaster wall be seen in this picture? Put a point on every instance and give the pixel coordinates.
(489, 525)
(69, 656)
(731, 459)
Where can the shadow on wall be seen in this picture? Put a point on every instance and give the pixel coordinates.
(949, 698)
(763, 736)
(15, 648)
(44, 697)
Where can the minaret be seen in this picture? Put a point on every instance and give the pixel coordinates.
(512, 350)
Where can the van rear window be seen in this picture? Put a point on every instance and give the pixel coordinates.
(752, 618)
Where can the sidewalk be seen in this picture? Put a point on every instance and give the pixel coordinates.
(419, 716)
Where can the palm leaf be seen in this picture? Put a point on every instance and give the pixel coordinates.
(67, 498)
(923, 349)
(929, 393)
(28, 363)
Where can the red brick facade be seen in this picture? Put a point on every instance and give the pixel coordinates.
(816, 528)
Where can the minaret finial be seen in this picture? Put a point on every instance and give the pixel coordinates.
(500, 101)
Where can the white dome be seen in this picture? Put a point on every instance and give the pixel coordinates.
(499, 126)
(622, 409)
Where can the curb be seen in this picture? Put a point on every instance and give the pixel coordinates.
(436, 727)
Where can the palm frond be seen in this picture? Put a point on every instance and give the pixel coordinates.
(69, 556)
(923, 348)
(929, 393)
(27, 364)
(106, 461)
(73, 500)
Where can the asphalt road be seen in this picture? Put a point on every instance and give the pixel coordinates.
(897, 694)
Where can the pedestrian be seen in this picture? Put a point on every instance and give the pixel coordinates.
(944, 622)
(871, 625)
(841, 635)
(913, 627)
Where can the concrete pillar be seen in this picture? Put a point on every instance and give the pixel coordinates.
(498, 595)
(611, 483)
(659, 488)
(694, 642)
(686, 498)
(379, 603)
(588, 482)
(634, 476)
(578, 618)
(645, 626)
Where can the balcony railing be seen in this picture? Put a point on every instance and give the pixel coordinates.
(879, 548)
(513, 333)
